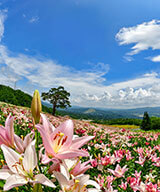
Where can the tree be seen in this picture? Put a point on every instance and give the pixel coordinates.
(59, 97)
(146, 122)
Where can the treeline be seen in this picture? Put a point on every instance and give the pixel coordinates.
(150, 123)
(17, 97)
(147, 123)
(121, 121)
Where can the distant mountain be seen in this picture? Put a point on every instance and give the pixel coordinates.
(46, 104)
(96, 113)
(93, 113)
(138, 112)
(18, 97)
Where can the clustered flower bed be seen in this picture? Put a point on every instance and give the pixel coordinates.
(118, 160)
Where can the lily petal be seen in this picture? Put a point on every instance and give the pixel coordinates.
(5, 173)
(83, 179)
(61, 179)
(44, 180)
(72, 154)
(90, 182)
(64, 170)
(28, 139)
(18, 144)
(79, 142)
(93, 190)
(14, 181)
(47, 125)
(66, 128)
(70, 162)
(11, 157)
(30, 157)
(3, 138)
(9, 130)
(46, 140)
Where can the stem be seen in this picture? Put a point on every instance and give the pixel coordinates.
(37, 148)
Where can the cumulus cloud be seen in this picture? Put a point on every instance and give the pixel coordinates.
(143, 36)
(139, 92)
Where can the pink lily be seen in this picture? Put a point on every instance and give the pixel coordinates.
(141, 160)
(59, 143)
(119, 172)
(7, 133)
(123, 185)
(12, 140)
(150, 187)
(20, 169)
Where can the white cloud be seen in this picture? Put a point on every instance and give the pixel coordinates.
(155, 59)
(139, 92)
(144, 36)
(128, 58)
(46, 73)
(87, 87)
(34, 19)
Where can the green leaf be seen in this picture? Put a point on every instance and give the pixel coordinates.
(1, 183)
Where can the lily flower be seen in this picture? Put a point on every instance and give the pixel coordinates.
(141, 160)
(118, 172)
(59, 143)
(80, 168)
(10, 139)
(20, 169)
(76, 184)
(75, 166)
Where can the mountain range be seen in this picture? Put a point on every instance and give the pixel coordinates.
(100, 113)
(18, 97)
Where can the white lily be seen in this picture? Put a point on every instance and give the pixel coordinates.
(20, 168)
(76, 184)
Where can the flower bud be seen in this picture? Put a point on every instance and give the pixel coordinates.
(36, 106)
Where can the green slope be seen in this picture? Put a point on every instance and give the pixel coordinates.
(17, 97)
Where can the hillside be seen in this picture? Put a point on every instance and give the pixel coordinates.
(110, 148)
(17, 97)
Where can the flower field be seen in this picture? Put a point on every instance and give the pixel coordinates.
(119, 159)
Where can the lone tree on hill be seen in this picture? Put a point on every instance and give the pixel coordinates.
(146, 122)
(59, 97)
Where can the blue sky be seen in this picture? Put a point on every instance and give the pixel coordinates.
(105, 53)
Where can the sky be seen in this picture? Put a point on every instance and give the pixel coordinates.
(105, 53)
